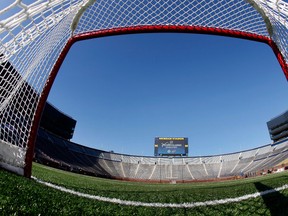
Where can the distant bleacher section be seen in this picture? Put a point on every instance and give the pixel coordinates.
(278, 127)
(57, 122)
(63, 154)
(52, 119)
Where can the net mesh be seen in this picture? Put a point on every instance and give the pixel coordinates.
(34, 33)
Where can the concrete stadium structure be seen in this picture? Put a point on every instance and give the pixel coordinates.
(63, 154)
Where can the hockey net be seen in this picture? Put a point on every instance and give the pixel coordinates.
(36, 36)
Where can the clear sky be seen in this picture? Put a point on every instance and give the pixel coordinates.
(126, 90)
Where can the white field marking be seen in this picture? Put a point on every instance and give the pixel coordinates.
(162, 205)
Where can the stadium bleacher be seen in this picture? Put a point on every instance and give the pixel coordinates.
(67, 155)
(56, 150)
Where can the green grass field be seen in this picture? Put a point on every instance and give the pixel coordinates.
(21, 196)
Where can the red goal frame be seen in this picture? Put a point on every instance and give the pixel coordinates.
(133, 30)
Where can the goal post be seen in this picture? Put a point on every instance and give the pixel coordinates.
(36, 37)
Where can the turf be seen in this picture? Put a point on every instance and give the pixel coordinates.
(21, 196)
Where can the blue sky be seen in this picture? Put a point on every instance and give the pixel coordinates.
(126, 90)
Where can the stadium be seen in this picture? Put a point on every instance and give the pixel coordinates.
(43, 172)
(169, 168)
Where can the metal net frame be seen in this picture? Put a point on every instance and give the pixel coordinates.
(37, 35)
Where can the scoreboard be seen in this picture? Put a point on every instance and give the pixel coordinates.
(171, 146)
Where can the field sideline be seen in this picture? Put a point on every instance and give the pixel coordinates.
(20, 196)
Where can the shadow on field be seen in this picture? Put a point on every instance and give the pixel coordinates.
(276, 202)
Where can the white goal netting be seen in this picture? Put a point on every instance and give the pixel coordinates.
(36, 35)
